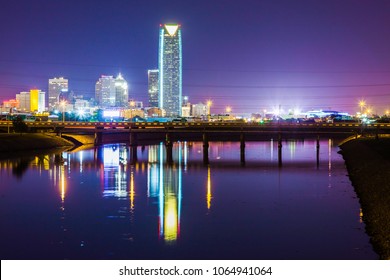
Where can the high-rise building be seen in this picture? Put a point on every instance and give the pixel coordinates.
(199, 110)
(66, 95)
(121, 92)
(56, 86)
(153, 87)
(105, 91)
(32, 101)
(186, 107)
(23, 99)
(170, 69)
(37, 100)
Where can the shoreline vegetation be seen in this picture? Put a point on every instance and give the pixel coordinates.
(367, 161)
(368, 165)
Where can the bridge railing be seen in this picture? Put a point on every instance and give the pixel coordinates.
(135, 125)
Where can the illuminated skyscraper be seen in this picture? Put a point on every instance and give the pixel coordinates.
(153, 88)
(121, 92)
(105, 91)
(56, 85)
(32, 101)
(170, 69)
(37, 100)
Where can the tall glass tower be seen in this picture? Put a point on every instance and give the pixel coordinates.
(153, 87)
(170, 69)
(105, 91)
(121, 92)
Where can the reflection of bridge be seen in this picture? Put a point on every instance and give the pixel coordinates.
(133, 132)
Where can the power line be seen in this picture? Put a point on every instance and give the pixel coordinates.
(223, 70)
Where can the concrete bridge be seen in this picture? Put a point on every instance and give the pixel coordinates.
(135, 133)
(287, 130)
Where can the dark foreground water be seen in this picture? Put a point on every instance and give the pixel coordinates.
(99, 204)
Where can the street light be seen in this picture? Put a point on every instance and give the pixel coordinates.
(209, 103)
(228, 109)
(63, 104)
(362, 104)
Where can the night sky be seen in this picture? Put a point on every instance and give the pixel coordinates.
(248, 54)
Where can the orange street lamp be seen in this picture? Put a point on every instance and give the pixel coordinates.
(228, 109)
(209, 103)
(362, 104)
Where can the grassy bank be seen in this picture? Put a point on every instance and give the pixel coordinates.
(16, 142)
(368, 164)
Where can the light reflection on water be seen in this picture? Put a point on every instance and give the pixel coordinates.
(100, 204)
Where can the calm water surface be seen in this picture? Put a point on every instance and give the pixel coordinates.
(100, 204)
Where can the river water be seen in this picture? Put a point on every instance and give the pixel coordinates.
(102, 204)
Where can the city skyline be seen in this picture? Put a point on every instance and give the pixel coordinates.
(248, 55)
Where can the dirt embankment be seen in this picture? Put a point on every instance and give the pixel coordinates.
(368, 164)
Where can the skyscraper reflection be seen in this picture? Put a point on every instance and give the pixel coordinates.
(165, 185)
(115, 171)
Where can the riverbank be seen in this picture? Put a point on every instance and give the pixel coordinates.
(368, 164)
(16, 142)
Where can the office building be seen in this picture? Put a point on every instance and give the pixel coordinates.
(199, 110)
(66, 95)
(121, 92)
(37, 101)
(186, 107)
(56, 86)
(153, 87)
(23, 100)
(31, 101)
(105, 91)
(170, 69)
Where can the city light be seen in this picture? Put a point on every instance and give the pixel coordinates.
(362, 104)
(209, 195)
(111, 113)
(228, 109)
(209, 103)
(171, 28)
(63, 105)
(81, 113)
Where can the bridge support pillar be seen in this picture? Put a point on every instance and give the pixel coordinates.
(98, 137)
(242, 148)
(58, 132)
(205, 149)
(377, 132)
(169, 148)
(58, 159)
(133, 138)
(280, 150)
(133, 155)
(318, 151)
(133, 147)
